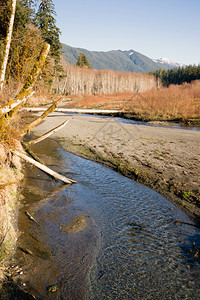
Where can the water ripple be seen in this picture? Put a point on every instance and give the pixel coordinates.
(143, 254)
(132, 247)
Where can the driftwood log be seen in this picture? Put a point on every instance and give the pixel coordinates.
(30, 152)
(47, 134)
(43, 168)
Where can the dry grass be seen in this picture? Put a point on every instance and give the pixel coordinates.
(9, 132)
(167, 103)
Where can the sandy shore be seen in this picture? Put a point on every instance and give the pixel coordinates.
(165, 159)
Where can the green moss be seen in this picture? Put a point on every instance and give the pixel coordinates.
(127, 170)
(186, 195)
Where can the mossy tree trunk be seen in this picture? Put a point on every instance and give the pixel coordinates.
(27, 88)
(13, 105)
(47, 134)
(42, 117)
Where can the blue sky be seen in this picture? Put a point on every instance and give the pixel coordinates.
(155, 28)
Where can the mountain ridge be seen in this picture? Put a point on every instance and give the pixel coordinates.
(118, 60)
(166, 61)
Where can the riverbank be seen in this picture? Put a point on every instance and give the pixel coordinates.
(164, 159)
(10, 176)
(125, 222)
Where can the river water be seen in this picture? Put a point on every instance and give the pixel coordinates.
(105, 237)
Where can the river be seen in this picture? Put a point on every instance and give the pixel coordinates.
(124, 120)
(105, 237)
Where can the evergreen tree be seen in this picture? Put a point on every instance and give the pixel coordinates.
(26, 39)
(47, 24)
(4, 17)
(20, 22)
(30, 7)
(83, 61)
(178, 75)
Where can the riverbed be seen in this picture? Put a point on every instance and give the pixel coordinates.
(127, 242)
(166, 159)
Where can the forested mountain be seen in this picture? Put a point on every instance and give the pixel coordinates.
(124, 61)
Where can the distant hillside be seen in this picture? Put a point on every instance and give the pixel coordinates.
(124, 61)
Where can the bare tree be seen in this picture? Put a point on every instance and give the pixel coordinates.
(80, 81)
(7, 44)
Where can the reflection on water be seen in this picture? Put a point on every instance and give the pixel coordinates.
(131, 247)
(59, 238)
(143, 254)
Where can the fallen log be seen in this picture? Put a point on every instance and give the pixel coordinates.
(30, 152)
(49, 110)
(44, 168)
(47, 134)
(75, 110)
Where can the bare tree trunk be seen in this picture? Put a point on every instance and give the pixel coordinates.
(7, 46)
